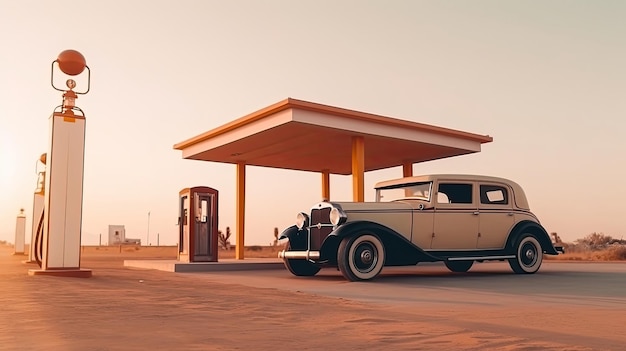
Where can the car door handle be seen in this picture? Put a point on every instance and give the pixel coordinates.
(510, 213)
(476, 213)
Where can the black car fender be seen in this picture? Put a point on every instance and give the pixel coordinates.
(297, 238)
(532, 228)
(399, 250)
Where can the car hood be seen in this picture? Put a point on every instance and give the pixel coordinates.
(373, 206)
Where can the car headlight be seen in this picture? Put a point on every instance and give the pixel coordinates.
(337, 216)
(302, 220)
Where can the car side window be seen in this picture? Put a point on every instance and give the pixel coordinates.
(454, 193)
(493, 195)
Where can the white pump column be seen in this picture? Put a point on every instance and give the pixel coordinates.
(20, 233)
(63, 198)
(64, 195)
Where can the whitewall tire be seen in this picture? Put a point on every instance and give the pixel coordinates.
(528, 255)
(361, 257)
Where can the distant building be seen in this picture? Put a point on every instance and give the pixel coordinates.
(117, 236)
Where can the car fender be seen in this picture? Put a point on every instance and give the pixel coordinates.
(297, 237)
(393, 241)
(535, 229)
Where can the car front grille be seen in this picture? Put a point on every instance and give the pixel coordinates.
(320, 227)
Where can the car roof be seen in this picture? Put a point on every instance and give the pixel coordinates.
(520, 196)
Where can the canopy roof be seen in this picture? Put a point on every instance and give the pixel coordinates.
(307, 136)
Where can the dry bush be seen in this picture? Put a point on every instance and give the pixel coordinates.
(275, 242)
(599, 241)
(594, 247)
(615, 253)
(223, 241)
(573, 252)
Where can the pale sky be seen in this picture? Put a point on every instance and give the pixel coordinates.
(546, 79)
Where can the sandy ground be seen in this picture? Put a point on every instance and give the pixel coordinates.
(130, 309)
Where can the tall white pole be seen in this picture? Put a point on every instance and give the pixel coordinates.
(148, 239)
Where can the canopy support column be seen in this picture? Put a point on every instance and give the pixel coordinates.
(358, 169)
(241, 209)
(407, 169)
(325, 185)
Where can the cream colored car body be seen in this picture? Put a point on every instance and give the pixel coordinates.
(453, 226)
(458, 219)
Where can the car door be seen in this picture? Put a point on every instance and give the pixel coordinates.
(423, 216)
(456, 216)
(495, 215)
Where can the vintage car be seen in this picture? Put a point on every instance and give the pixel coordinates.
(456, 219)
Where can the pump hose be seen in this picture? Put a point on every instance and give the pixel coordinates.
(39, 241)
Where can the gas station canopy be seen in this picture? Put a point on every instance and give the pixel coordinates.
(301, 135)
(306, 136)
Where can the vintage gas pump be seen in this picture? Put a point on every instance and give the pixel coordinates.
(63, 197)
(37, 220)
(197, 225)
(20, 233)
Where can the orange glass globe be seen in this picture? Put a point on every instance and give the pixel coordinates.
(71, 62)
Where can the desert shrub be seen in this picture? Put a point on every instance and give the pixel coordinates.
(618, 241)
(223, 241)
(616, 253)
(275, 242)
(595, 240)
(574, 247)
(582, 252)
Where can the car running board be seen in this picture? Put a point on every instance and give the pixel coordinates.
(481, 258)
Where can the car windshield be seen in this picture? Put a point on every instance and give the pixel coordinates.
(410, 191)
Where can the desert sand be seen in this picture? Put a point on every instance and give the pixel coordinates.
(131, 309)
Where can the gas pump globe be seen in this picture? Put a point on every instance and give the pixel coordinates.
(72, 63)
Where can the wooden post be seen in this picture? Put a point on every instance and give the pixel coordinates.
(241, 209)
(407, 169)
(325, 185)
(358, 169)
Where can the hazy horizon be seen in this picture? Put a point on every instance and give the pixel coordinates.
(545, 79)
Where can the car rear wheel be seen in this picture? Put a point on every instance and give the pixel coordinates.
(459, 266)
(361, 257)
(301, 268)
(528, 256)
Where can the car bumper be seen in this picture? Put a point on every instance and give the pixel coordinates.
(301, 255)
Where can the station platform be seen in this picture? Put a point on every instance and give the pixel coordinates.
(223, 265)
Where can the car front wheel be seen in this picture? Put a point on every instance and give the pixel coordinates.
(459, 266)
(301, 268)
(361, 257)
(528, 256)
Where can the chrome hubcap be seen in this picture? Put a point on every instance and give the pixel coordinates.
(367, 257)
(528, 254)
